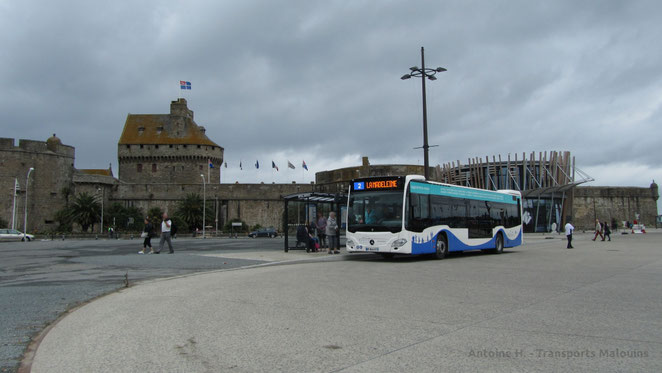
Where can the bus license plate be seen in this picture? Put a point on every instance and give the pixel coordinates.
(368, 248)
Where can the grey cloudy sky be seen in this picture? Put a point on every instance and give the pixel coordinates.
(320, 80)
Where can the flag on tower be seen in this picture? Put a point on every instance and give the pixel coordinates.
(184, 85)
(226, 164)
(211, 165)
(273, 165)
(290, 165)
(241, 168)
(257, 164)
(304, 166)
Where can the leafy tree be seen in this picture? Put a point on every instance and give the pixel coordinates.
(85, 210)
(121, 216)
(115, 213)
(138, 218)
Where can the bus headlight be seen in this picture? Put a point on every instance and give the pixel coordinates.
(350, 243)
(399, 242)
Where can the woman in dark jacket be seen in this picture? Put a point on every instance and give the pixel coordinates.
(148, 232)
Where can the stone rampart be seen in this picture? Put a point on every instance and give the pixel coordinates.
(613, 204)
(53, 165)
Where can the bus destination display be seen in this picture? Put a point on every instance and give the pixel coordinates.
(377, 184)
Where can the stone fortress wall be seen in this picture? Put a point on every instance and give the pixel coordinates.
(252, 203)
(53, 172)
(613, 204)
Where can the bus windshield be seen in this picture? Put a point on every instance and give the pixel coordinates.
(378, 211)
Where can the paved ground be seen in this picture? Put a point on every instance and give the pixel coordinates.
(41, 279)
(539, 307)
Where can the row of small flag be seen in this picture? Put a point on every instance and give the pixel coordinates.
(273, 165)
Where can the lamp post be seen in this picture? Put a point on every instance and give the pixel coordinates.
(99, 189)
(13, 211)
(25, 215)
(430, 74)
(204, 204)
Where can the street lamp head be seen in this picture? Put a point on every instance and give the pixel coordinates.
(414, 68)
(440, 69)
(405, 77)
(432, 77)
(31, 168)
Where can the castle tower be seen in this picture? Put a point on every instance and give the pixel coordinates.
(167, 148)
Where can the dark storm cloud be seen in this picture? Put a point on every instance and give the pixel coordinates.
(320, 80)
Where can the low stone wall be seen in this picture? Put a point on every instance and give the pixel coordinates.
(612, 204)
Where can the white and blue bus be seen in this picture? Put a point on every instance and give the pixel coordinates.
(409, 215)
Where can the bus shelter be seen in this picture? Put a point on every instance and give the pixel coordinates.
(310, 202)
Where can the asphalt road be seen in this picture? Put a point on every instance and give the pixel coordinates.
(40, 280)
(538, 307)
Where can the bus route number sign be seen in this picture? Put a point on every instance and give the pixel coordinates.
(376, 184)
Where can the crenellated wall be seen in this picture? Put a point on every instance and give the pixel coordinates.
(53, 165)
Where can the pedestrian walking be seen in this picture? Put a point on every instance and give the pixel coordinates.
(331, 233)
(166, 225)
(598, 230)
(321, 229)
(607, 231)
(147, 234)
(569, 228)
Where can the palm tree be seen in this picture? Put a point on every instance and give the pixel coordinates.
(85, 210)
(155, 214)
(189, 210)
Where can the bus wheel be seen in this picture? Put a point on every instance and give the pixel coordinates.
(498, 249)
(441, 247)
(387, 255)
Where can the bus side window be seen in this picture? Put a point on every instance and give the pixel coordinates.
(419, 208)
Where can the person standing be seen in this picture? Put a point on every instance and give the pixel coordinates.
(331, 233)
(607, 230)
(148, 232)
(598, 230)
(166, 224)
(321, 229)
(568, 234)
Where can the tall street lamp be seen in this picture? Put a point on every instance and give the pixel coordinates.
(13, 211)
(204, 204)
(99, 189)
(25, 215)
(430, 74)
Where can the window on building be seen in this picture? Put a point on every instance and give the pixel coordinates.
(198, 146)
(200, 168)
(156, 146)
(128, 146)
(153, 167)
(141, 146)
(170, 146)
(184, 146)
(140, 167)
